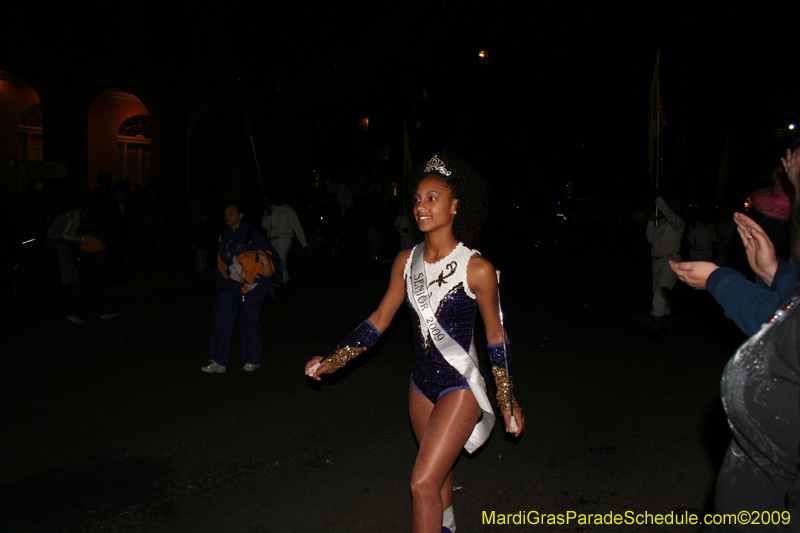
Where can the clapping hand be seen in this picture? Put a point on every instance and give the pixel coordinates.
(760, 250)
(791, 164)
(693, 273)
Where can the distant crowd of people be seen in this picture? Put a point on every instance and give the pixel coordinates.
(135, 231)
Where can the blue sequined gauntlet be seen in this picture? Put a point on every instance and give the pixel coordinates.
(505, 384)
(354, 345)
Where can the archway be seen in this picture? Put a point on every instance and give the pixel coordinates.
(20, 131)
(118, 137)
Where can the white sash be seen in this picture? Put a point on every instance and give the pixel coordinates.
(454, 353)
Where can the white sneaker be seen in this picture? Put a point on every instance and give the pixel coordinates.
(74, 319)
(213, 368)
(106, 316)
(249, 367)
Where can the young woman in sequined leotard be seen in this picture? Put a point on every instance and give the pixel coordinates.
(449, 208)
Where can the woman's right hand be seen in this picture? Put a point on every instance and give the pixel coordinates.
(519, 417)
(314, 370)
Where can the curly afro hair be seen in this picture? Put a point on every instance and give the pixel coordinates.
(467, 187)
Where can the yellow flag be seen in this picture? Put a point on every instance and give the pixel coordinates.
(657, 116)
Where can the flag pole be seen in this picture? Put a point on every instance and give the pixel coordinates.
(249, 130)
(658, 113)
(655, 107)
(658, 126)
(258, 171)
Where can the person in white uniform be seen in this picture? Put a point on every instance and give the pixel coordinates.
(281, 222)
(702, 236)
(65, 231)
(664, 234)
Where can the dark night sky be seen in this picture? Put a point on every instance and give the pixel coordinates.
(563, 77)
(583, 75)
(559, 77)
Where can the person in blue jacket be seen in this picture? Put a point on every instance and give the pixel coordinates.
(247, 268)
(761, 382)
(748, 304)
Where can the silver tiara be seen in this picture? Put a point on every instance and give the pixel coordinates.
(437, 165)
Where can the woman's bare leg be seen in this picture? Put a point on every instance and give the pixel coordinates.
(441, 430)
(419, 421)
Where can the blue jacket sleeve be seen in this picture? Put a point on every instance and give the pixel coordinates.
(744, 302)
(786, 280)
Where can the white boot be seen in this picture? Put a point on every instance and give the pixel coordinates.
(449, 519)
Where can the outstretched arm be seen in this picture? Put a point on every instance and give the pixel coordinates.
(693, 273)
(382, 316)
(674, 220)
(743, 301)
(482, 281)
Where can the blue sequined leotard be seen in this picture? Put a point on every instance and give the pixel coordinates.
(455, 308)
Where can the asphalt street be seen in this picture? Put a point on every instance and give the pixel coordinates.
(111, 426)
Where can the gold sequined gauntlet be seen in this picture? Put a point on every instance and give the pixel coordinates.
(354, 345)
(505, 392)
(500, 356)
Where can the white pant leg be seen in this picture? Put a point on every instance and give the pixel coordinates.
(282, 246)
(663, 280)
